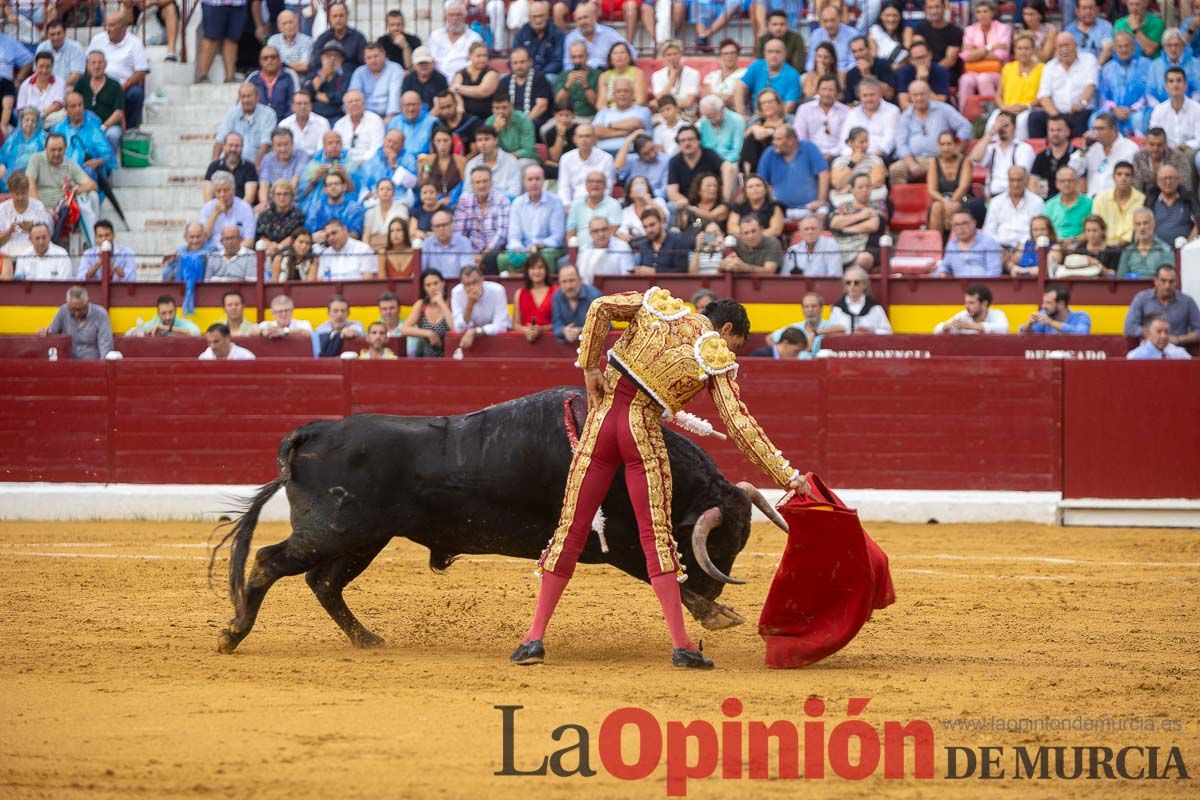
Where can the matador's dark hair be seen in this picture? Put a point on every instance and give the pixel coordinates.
(731, 311)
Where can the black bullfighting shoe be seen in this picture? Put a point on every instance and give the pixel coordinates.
(529, 653)
(691, 659)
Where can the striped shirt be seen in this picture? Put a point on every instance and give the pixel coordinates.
(485, 230)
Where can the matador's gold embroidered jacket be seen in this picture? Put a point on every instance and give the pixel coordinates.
(673, 353)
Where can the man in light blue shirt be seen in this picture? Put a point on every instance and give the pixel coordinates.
(379, 80)
(646, 162)
(568, 309)
(415, 123)
(123, 261)
(921, 124)
(969, 253)
(611, 125)
(598, 39)
(721, 130)
(536, 224)
(284, 162)
(253, 120)
(14, 58)
(1156, 346)
(837, 33)
(69, 58)
(812, 325)
(446, 251)
(1092, 33)
(1055, 316)
(1175, 53)
(770, 71)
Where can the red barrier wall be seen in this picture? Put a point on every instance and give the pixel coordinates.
(513, 346)
(1089, 429)
(924, 346)
(1132, 429)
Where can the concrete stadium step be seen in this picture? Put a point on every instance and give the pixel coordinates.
(149, 246)
(202, 95)
(157, 177)
(172, 220)
(190, 116)
(188, 155)
(166, 200)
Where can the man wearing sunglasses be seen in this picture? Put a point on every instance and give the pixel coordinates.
(856, 312)
(1093, 34)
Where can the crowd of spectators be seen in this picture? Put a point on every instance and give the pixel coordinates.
(339, 153)
(64, 108)
(823, 123)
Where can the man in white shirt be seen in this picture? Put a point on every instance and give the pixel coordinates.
(977, 315)
(879, 117)
(675, 78)
(127, 63)
(477, 308)
(221, 346)
(574, 166)
(450, 45)
(345, 258)
(1067, 87)
(307, 128)
(46, 261)
(360, 129)
(506, 170)
(1009, 214)
(1179, 116)
(998, 152)
(283, 322)
(605, 254)
(68, 54)
(815, 255)
(1109, 148)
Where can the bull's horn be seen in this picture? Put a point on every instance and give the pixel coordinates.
(762, 505)
(708, 520)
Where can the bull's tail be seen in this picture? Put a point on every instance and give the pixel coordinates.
(241, 529)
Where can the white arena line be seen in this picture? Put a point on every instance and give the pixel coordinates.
(936, 573)
(1051, 560)
(1016, 559)
(128, 556)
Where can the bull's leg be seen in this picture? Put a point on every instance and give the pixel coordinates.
(329, 579)
(270, 564)
(710, 614)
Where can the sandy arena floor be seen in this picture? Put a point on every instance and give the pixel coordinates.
(113, 687)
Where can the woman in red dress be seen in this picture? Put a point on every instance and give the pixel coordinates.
(532, 304)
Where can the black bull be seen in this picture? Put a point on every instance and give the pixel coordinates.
(489, 482)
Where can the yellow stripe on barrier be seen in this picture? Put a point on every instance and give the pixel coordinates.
(913, 319)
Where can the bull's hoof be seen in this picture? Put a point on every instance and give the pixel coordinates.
(721, 617)
(364, 638)
(227, 642)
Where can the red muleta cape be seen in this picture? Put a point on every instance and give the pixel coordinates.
(830, 579)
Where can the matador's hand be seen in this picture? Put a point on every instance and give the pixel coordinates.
(597, 386)
(799, 486)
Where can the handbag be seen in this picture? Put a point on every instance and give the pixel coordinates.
(983, 65)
